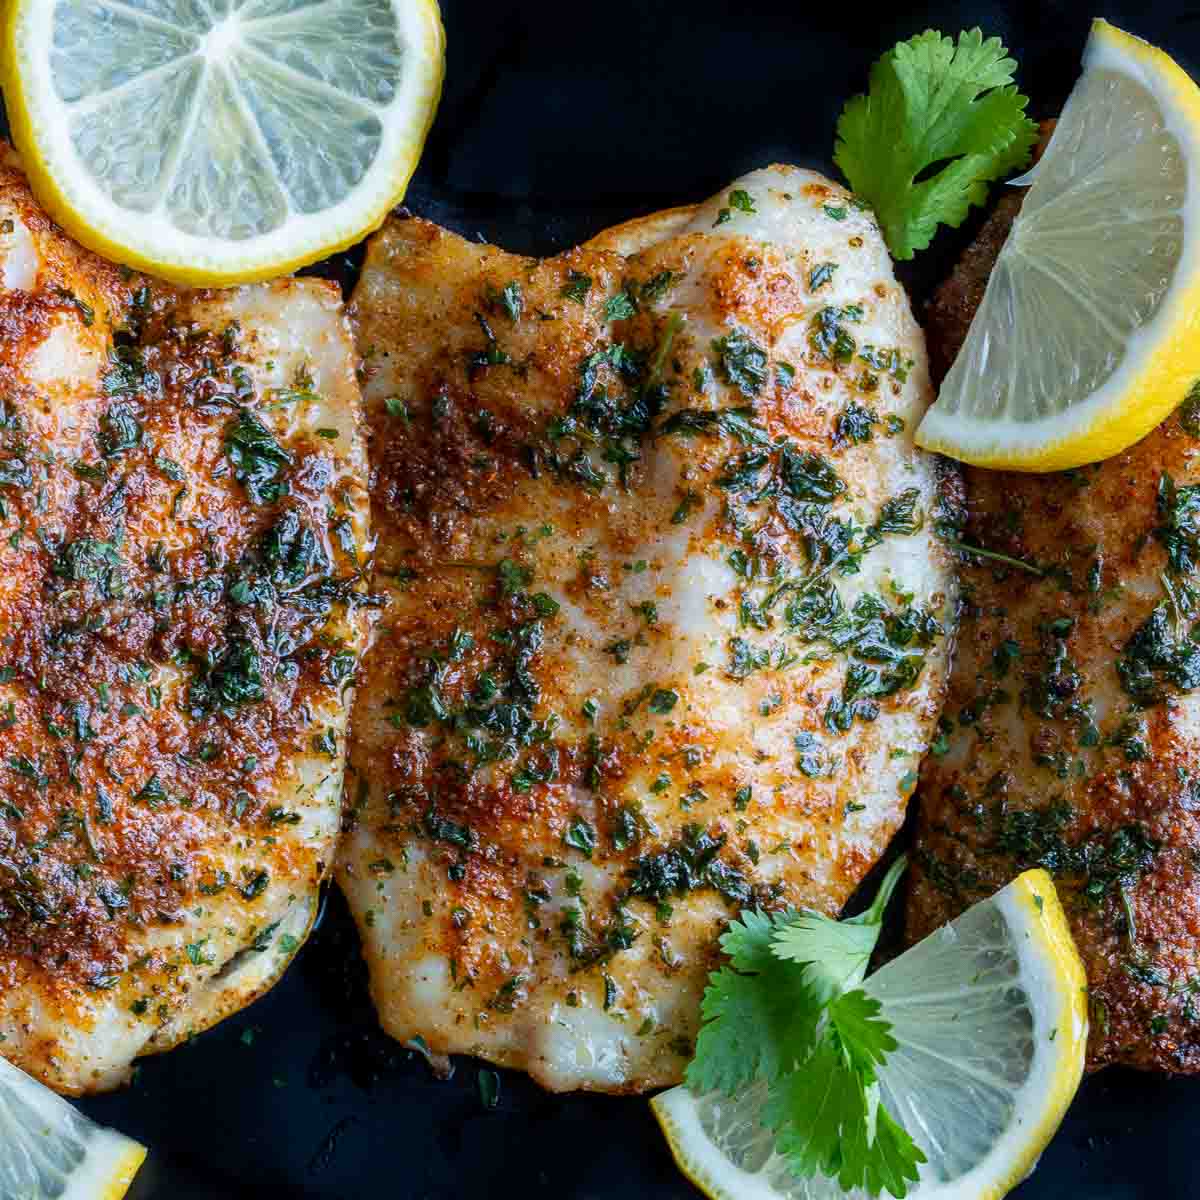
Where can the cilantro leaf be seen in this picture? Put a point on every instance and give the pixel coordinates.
(786, 1017)
(833, 957)
(828, 1121)
(815, 1111)
(835, 953)
(760, 1018)
(933, 103)
(864, 1034)
(886, 1161)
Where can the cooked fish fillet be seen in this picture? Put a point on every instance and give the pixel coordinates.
(1071, 736)
(667, 622)
(182, 528)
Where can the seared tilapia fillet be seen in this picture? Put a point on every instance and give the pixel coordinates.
(1071, 736)
(182, 529)
(667, 621)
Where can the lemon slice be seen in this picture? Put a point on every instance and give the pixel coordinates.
(990, 1015)
(218, 143)
(49, 1151)
(1085, 339)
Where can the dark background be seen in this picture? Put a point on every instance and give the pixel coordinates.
(557, 120)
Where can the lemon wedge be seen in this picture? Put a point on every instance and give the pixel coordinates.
(49, 1151)
(990, 1016)
(215, 144)
(1086, 337)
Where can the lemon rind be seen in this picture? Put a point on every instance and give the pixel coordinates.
(1032, 895)
(1162, 359)
(125, 1165)
(676, 1113)
(191, 260)
(111, 1160)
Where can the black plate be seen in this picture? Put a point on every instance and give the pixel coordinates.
(557, 120)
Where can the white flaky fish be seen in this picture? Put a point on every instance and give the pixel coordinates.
(668, 622)
(183, 525)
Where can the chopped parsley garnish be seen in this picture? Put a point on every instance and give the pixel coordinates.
(739, 423)
(690, 863)
(887, 647)
(492, 355)
(688, 504)
(255, 885)
(1179, 533)
(258, 459)
(828, 336)
(508, 298)
(577, 287)
(656, 286)
(128, 373)
(742, 362)
(740, 200)
(89, 560)
(120, 431)
(581, 836)
(1154, 661)
(85, 310)
(170, 468)
(820, 275)
(745, 658)
(496, 719)
(233, 680)
(620, 307)
(854, 425)
(441, 829)
(601, 417)
(1101, 865)
(513, 577)
(807, 476)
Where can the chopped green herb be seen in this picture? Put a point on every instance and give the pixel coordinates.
(941, 121)
(577, 287)
(742, 362)
(258, 459)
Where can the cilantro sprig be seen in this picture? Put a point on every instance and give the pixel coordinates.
(941, 120)
(788, 1011)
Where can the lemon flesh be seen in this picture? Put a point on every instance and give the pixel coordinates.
(990, 1018)
(49, 1151)
(220, 147)
(1086, 337)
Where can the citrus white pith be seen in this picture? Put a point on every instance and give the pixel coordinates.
(49, 1151)
(218, 149)
(1088, 334)
(991, 1019)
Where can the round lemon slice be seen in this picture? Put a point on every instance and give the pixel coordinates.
(217, 143)
(990, 1017)
(49, 1151)
(1086, 337)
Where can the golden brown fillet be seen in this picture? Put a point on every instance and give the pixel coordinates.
(182, 526)
(666, 625)
(1071, 734)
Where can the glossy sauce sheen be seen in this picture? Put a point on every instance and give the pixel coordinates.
(180, 621)
(1071, 733)
(598, 718)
